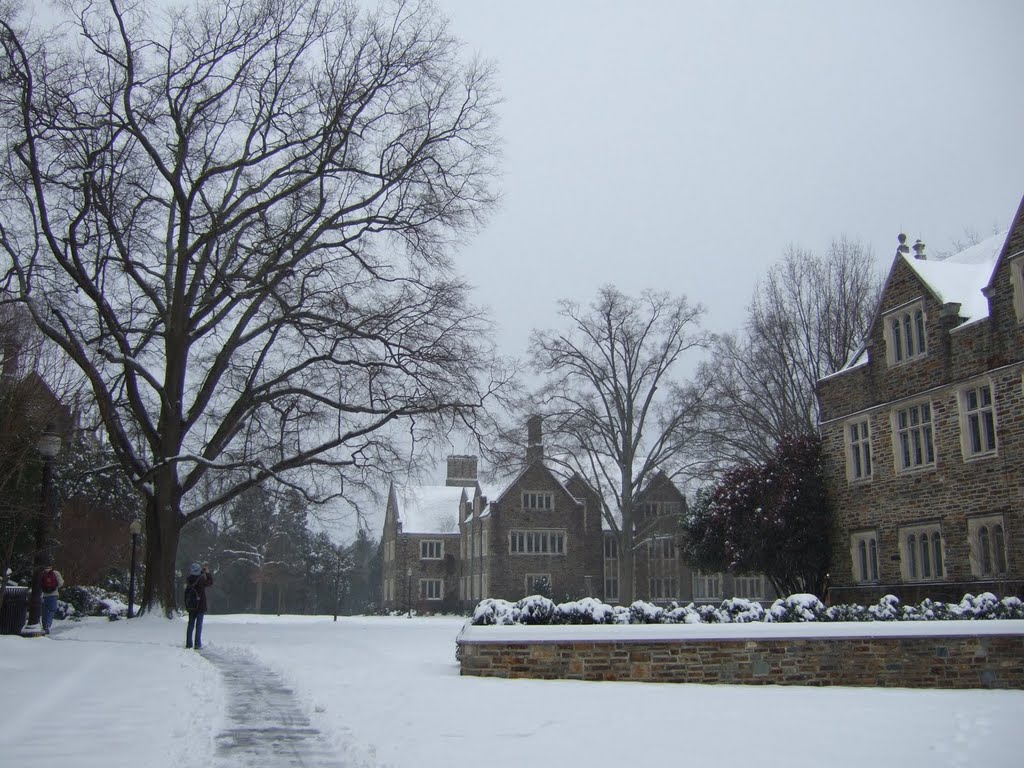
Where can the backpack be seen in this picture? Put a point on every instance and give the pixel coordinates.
(49, 581)
(191, 597)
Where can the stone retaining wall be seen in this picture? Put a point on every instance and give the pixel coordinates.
(933, 661)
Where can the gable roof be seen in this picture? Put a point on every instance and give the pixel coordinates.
(963, 277)
(428, 508)
(960, 279)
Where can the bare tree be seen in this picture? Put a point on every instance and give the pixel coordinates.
(804, 321)
(612, 413)
(235, 218)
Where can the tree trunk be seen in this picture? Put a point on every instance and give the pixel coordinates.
(626, 594)
(259, 592)
(163, 528)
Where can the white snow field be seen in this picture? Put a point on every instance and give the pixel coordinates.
(386, 692)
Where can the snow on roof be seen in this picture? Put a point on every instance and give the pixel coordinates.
(961, 277)
(429, 508)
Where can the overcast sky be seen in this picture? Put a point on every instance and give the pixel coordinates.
(683, 145)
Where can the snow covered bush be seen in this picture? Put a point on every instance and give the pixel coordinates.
(886, 609)
(493, 611)
(90, 601)
(586, 611)
(641, 612)
(738, 610)
(796, 608)
(535, 609)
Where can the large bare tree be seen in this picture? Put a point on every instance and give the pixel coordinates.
(235, 218)
(613, 413)
(806, 318)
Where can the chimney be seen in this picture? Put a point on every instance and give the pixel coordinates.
(534, 440)
(461, 471)
(919, 250)
(902, 248)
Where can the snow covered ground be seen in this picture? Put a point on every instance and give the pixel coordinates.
(387, 693)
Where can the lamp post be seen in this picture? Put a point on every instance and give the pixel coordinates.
(135, 529)
(337, 581)
(408, 592)
(48, 446)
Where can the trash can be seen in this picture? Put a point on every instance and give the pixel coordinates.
(14, 610)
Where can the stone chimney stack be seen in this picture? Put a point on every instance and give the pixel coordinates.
(902, 249)
(534, 440)
(919, 251)
(461, 471)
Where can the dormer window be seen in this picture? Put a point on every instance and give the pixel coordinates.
(905, 336)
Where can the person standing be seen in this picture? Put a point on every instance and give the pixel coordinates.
(50, 581)
(199, 578)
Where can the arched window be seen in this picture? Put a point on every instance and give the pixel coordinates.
(999, 549)
(912, 555)
(926, 568)
(862, 552)
(985, 551)
(937, 554)
(919, 323)
(897, 341)
(873, 555)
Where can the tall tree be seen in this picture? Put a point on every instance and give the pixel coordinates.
(235, 219)
(772, 518)
(613, 414)
(806, 318)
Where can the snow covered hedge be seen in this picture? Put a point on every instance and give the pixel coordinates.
(537, 609)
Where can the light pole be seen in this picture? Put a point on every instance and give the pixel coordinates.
(337, 582)
(408, 591)
(135, 529)
(48, 446)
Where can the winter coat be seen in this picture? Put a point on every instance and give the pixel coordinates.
(201, 582)
(60, 583)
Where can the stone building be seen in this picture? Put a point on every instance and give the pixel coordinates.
(453, 545)
(924, 431)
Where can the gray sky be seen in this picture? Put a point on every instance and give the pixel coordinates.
(683, 145)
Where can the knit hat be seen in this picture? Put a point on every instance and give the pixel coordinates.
(195, 570)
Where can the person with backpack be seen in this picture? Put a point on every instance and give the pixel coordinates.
(50, 581)
(199, 578)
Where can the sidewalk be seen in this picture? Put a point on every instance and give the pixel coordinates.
(265, 726)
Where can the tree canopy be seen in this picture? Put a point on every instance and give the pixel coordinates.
(235, 219)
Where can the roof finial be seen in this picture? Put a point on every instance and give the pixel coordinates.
(902, 248)
(919, 250)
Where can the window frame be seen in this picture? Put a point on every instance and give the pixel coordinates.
(972, 424)
(858, 450)
(906, 333)
(1016, 263)
(531, 578)
(538, 498)
(753, 587)
(700, 583)
(997, 555)
(864, 551)
(423, 591)
(610, 548)
(924, 427)
(922, 553)
(548, 539)
(428, 544)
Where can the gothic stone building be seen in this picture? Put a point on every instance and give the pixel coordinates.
(451, 546)
(924, 431)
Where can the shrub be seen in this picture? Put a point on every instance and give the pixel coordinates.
(641, 612)
(493, 611)
(737, 610)
(586, 611)
(535, 609)
(800, 607)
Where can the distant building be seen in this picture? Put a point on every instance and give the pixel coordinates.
(450, 546)
(924, 430)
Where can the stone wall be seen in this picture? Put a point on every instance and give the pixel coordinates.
(932, 661)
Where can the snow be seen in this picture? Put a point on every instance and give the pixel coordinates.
(962, 276)
(386, 692)
(429, 508)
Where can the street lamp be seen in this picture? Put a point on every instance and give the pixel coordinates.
(408, 591)
(135, 529)
(48, 446)
(337, 581)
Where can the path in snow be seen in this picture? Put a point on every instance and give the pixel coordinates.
(266, 727)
